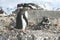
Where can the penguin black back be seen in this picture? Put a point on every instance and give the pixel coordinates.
(19, 20)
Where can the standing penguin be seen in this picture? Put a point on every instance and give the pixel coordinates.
(22, 19)
(22, 15)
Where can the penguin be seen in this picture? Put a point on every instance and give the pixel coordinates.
(22, 16)
(22, 20)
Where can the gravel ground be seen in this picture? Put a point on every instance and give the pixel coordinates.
(16, 34)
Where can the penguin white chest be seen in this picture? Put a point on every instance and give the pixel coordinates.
(26, 14)
(24, 24)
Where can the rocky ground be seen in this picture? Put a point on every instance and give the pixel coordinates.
(34, 32)
(6, 34)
